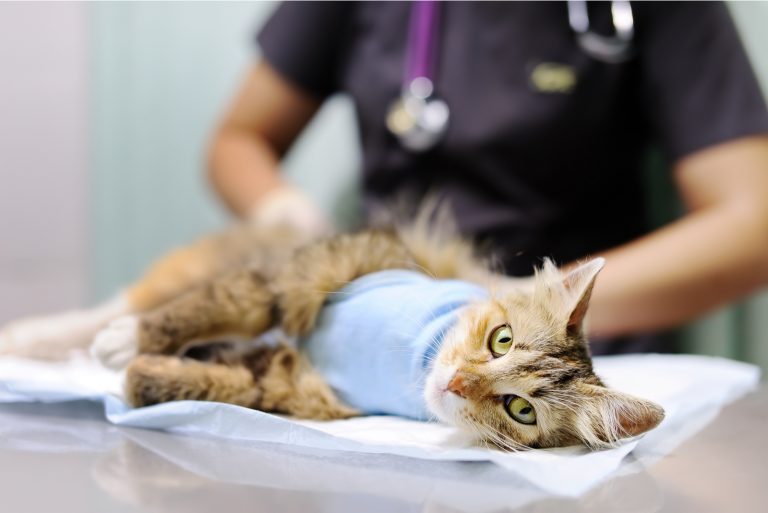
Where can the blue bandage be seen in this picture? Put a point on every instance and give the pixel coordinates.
(375, 338)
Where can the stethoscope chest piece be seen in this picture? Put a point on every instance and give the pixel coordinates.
(612, 50)
(417, 118)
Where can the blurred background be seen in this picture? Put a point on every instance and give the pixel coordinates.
(105, 113)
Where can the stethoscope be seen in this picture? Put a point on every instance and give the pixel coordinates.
(419, 118)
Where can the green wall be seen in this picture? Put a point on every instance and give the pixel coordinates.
(162, 73)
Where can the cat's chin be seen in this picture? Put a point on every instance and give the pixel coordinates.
(443, 403)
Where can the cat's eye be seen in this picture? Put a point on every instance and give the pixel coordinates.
(500, 341)
(520, 409)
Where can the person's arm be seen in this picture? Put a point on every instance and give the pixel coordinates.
(716, 253)
(264, 119)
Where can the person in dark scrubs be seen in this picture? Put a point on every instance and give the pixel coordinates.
(544, 151)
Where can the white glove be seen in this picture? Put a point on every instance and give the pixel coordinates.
(288, 207)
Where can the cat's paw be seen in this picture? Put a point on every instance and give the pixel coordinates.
(117, 344)
(340, 412)
(152, 379)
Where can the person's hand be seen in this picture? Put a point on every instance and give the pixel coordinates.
(287, 206)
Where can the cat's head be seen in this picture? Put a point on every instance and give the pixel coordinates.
(516, 371)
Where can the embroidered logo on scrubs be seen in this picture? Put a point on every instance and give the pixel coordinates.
(553, 77)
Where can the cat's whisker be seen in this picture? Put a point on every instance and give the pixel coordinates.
(432, 417)
(333, 292)
(477, 435)
(421, 268)
(505, 443)
(484, 435)
(498, 438)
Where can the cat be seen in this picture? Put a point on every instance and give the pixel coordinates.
(511, 365)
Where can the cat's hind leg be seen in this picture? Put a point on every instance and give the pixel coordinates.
(53, 337)
(268, 378)
(154, 379)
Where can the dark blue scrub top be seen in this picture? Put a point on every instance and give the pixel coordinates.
(531, 169)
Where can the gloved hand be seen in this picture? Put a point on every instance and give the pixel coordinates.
(288, 206)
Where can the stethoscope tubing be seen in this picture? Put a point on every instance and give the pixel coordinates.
(419, 118)
(422, 40)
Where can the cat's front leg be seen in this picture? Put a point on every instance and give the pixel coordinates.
(238, 304)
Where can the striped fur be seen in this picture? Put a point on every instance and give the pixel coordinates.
(248, 280)
(549, 365)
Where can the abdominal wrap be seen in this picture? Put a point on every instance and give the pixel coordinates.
(376, 338)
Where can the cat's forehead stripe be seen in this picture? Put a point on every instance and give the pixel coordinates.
(557, 374)
(572, 353)
(539, 392)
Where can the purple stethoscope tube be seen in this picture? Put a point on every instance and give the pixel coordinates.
(419, 119)
(422, 40)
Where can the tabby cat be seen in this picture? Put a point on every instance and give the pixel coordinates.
(509, 363)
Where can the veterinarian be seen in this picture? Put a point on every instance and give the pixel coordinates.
(534, 119)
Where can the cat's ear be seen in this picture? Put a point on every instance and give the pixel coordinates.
(579, 283)
(606, 416)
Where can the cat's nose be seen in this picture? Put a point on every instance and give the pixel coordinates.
(457, 385)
